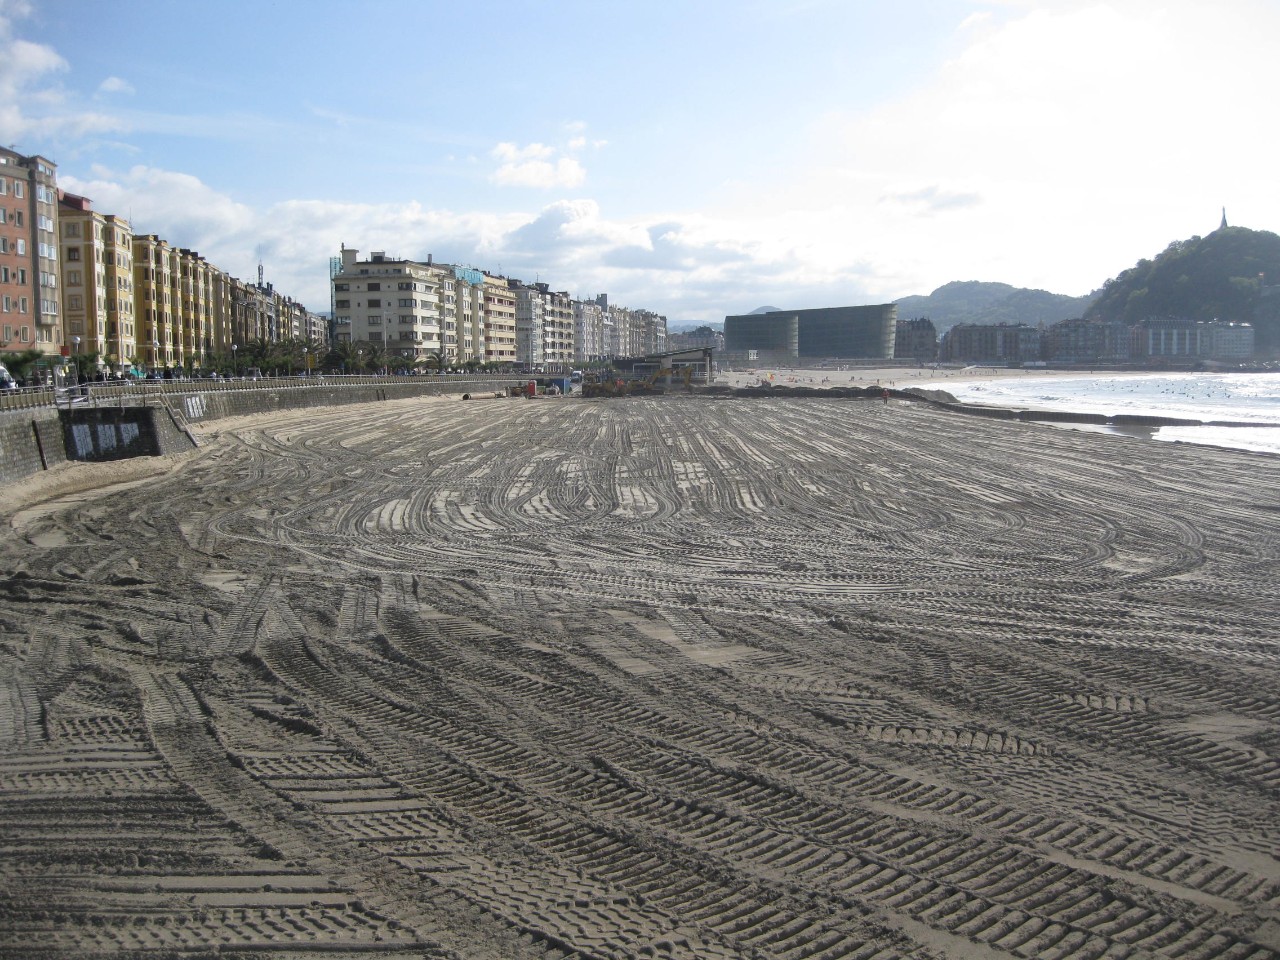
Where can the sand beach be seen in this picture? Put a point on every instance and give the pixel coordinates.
(674, 676)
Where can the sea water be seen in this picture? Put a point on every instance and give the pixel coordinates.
(1245, 398)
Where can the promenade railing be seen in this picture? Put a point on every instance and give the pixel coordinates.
(124, 393)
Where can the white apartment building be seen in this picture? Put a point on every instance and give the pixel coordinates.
(389, 302)
(462, 320)
(530, 321)
(588, 329)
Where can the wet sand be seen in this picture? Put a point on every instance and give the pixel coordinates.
(670, 676)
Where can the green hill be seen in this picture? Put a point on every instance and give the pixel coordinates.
(1221, 276)
(973, 301)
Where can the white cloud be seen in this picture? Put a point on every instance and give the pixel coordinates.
(1061, 143)
(116, 85)
(535, 166)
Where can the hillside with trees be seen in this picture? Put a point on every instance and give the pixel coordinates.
(972, 301)
(1218, 277)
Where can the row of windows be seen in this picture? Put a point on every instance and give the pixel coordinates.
(18, 246)
(12, 304)
(16, 217)
(19, 188)
(24, 334)
(16, 275)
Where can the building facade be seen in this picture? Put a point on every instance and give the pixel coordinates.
(30, 290)
(1000, 343)
(391, 303)
(916, 339)
(788, 336)
(98, 309)
(499, 320)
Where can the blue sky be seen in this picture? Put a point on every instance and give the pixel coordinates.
(698, 158)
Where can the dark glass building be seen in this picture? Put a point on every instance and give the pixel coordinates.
(825, 333)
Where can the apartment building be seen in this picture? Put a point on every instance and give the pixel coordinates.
(588, 331)
(499, 320)
(96, 254)
(30, 299)
(389, 302)
(529, 324)
(462, 313)
(17, 262)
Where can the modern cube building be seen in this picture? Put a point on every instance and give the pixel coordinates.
(791, 336)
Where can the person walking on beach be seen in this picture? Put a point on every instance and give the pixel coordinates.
(884, 395)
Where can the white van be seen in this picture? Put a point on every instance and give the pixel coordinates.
(6, 379)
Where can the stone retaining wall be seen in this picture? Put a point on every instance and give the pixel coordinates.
(114, 422)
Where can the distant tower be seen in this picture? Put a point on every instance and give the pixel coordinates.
(1223, 225)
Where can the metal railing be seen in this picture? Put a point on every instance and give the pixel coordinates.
(118, 393)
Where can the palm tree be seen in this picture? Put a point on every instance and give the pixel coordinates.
(374, 355)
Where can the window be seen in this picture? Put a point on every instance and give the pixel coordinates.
(75, 302)
(8, 333)
(4, 190)
(44, 223)
(8, 304)
(344, 304)
(22, 247)
(375, 286)
(22, 305)
(342, 287)
(375, 321)
(2, 215)
(375, 303)
(404, 286)
(19, 189)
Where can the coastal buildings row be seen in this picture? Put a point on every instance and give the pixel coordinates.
(76, 281)
(420, 311)
(1157, 340)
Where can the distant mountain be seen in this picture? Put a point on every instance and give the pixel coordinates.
(764, 310)
(972, 301)
(1229, 275)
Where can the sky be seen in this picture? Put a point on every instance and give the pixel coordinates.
(694, 157)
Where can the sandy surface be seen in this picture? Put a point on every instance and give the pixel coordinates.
(663, 677)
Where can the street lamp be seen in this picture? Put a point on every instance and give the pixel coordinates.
(155, 356)
(235, 367)
(306, 360)
(75, 350)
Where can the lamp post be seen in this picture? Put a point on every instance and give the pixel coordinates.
(306, 360)
(155, 356)
(235, 367)
(75, 363)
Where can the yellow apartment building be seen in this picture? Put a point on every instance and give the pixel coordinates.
(96, 255)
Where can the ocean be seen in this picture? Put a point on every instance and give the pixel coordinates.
(1250, 398)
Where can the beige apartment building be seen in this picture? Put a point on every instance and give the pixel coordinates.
(389, 302)
(499, 320)
(97, 283)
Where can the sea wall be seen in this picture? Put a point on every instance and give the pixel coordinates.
(111, 422)
(30, 441)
